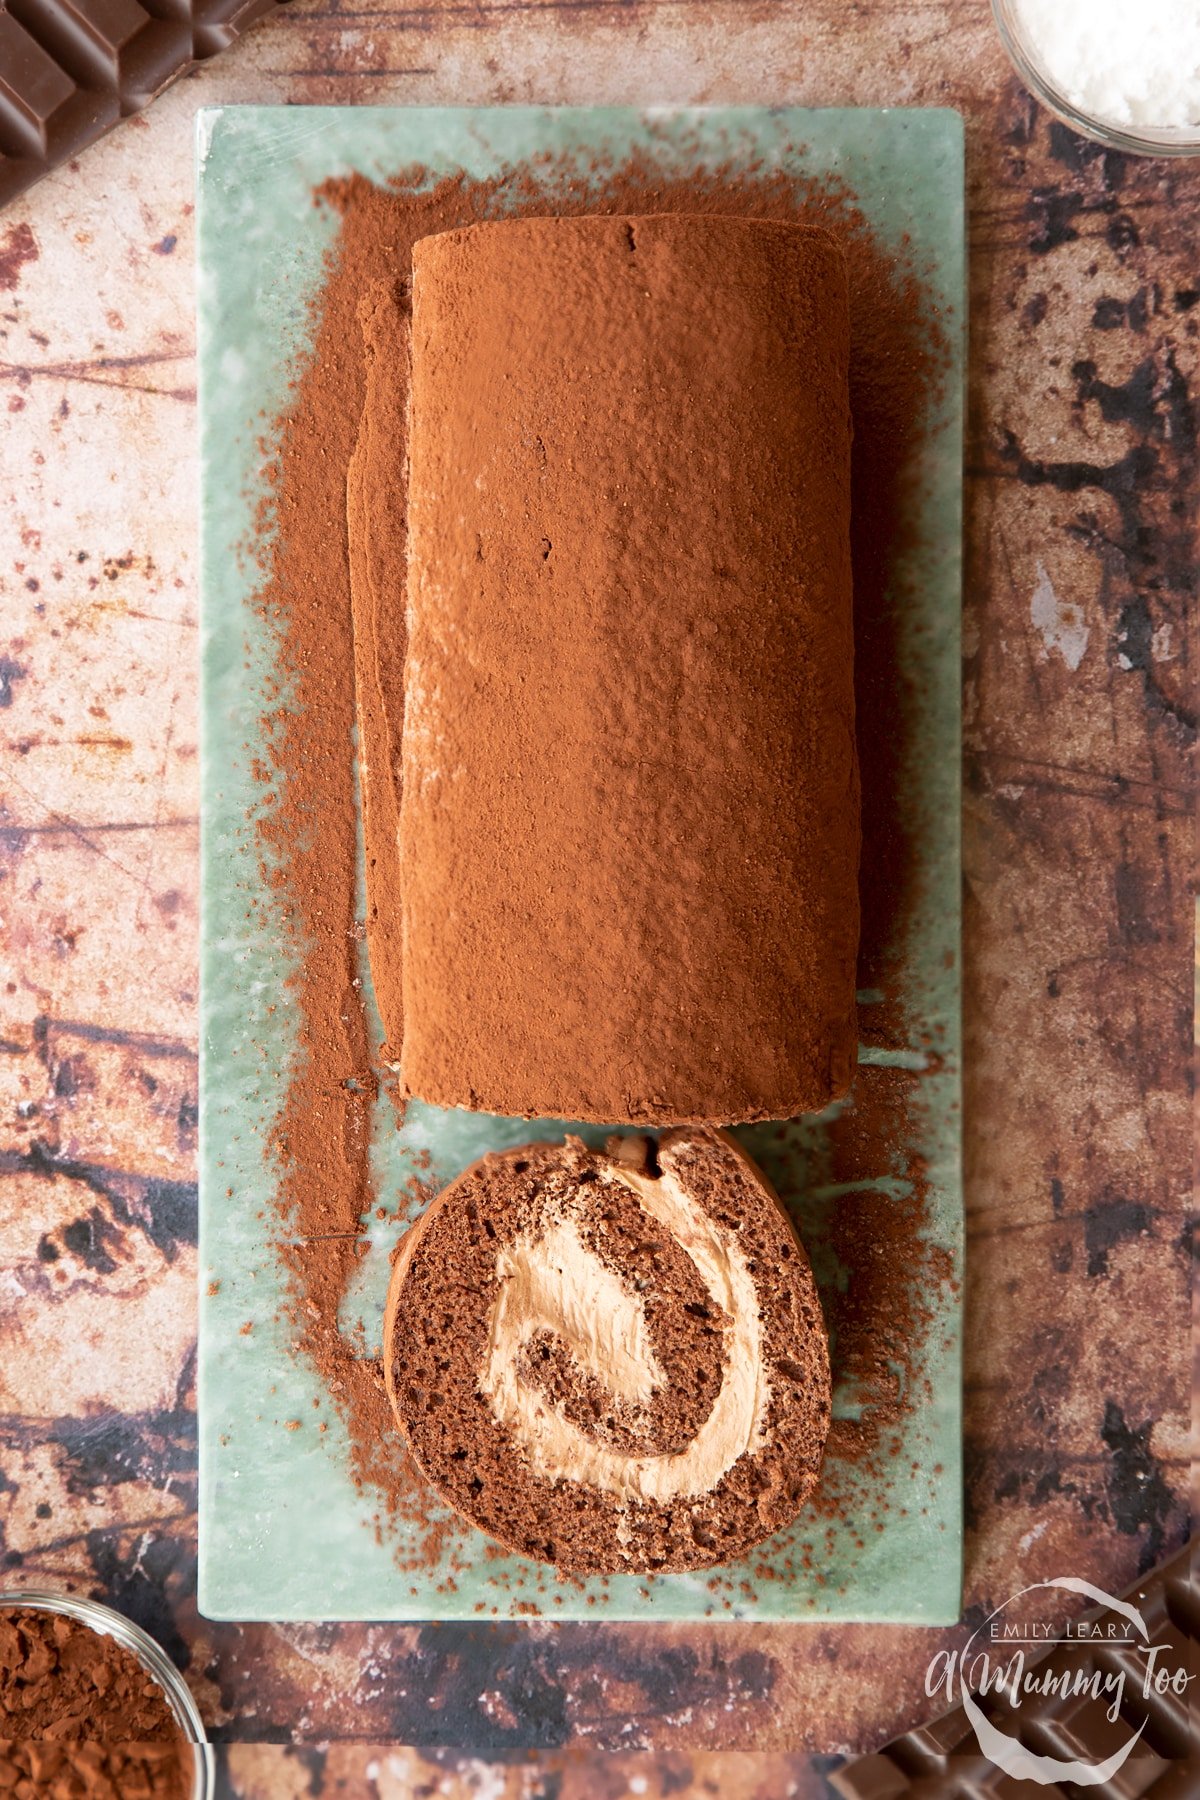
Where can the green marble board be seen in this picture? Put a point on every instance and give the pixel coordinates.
(283, 1532)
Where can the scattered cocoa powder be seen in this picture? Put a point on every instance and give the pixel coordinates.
(79, 1716)
(309, 829)
(880, 1319)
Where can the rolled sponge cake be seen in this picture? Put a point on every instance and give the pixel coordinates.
(612, 1361)
(628, 827)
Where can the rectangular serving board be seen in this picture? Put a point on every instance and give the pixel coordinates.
(284, 1534)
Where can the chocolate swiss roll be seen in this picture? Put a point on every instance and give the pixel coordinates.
(612, 1361)
(629, 811)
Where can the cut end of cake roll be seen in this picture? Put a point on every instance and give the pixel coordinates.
(612, 1361)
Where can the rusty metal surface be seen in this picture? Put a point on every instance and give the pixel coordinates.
(1081, 580)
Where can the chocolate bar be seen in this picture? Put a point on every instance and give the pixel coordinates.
(944, 1760)
(70, 69)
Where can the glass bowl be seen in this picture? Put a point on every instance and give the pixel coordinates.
(1140, 140)
(150, 1655)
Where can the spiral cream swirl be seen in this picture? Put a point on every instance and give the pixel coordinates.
(550, 1280)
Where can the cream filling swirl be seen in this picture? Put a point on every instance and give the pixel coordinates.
(549, 1280)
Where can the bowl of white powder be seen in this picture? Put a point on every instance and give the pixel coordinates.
(1124, 71)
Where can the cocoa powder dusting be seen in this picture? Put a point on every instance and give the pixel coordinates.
(629, 600)
(308, 820)
(80, 1717)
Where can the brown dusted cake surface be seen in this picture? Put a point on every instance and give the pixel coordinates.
(612, 1362)
(629, 825)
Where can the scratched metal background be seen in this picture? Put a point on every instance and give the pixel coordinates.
(1081, 590)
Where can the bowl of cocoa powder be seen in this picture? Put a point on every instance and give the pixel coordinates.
(91, 1708)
